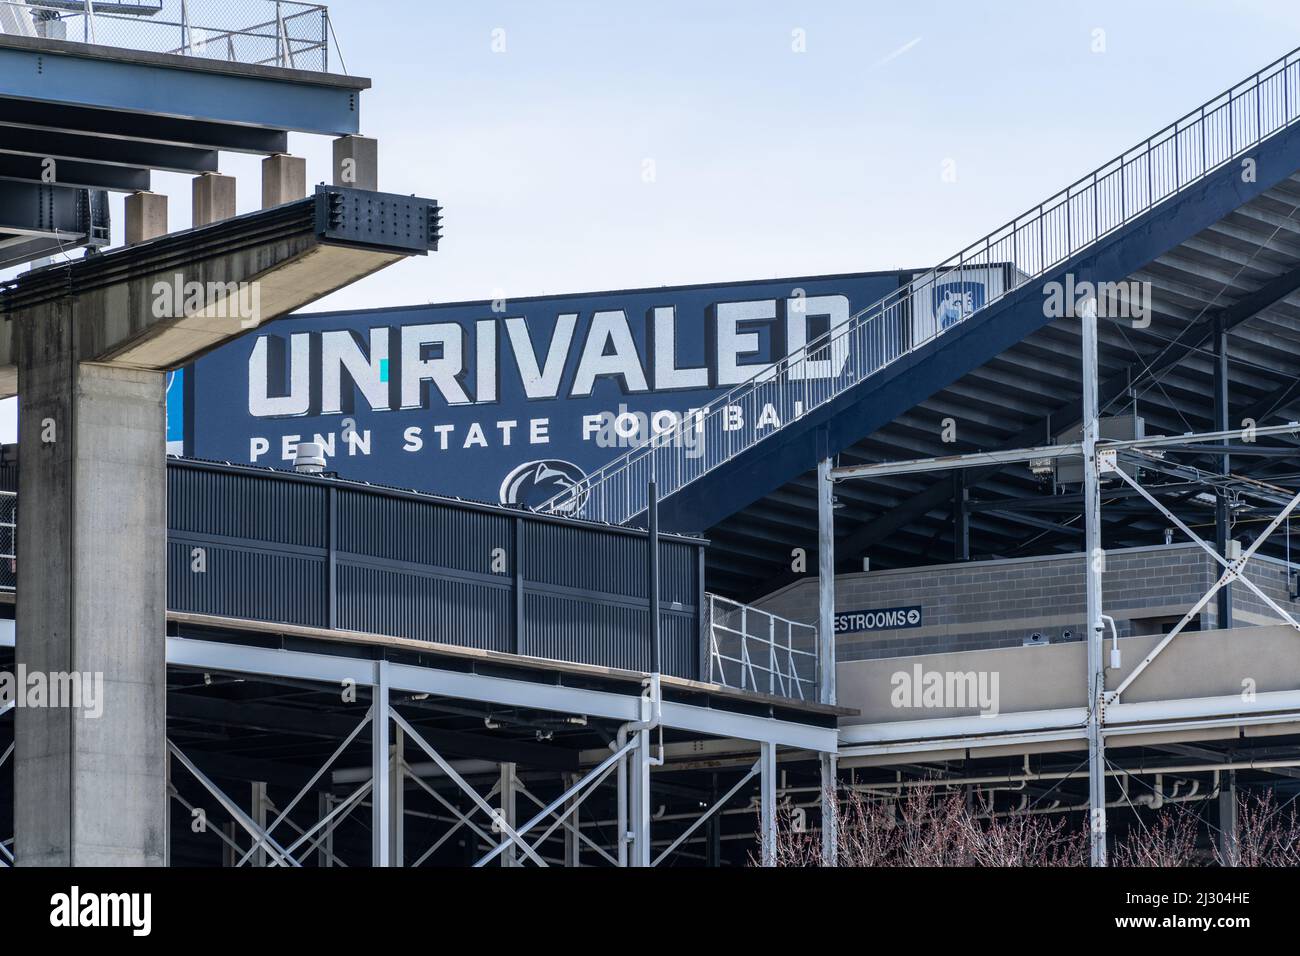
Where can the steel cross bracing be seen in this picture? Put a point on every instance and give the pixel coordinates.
(490, 815)
(1058, 229)
(1100, 458)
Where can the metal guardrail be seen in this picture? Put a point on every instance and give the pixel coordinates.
(750, 649)
(282, 33)
(1095, 206)
(8, 540)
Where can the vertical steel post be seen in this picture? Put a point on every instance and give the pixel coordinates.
(379, 807)
(397, 800)
(825, 582)
(1228, 818)
(960, 517)
(1222, 516)
(1094, 562)
(325, 850)
(826, 650)
(830, 811)
(713, 839)
(640, 771)
(767, 791)
(508, 857)
(653, 570)
(572, 841)
(167, 833)
(257, 804)
(622, 801)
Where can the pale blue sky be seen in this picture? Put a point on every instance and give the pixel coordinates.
(767, 162)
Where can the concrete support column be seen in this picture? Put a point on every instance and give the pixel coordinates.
(510, 855)
(213, 198)
(90, 788)
(146, 217)
(356, 162)
(284, 179)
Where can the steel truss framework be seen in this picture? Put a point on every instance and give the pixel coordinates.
(491, 818)
(264, 833)
(1100, 460)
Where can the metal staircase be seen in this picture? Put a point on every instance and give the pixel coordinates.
(1023, 250)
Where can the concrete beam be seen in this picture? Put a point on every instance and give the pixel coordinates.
(135, 308)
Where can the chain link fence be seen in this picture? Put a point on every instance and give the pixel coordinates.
(263, 32)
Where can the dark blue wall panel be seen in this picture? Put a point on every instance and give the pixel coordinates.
(285, 548)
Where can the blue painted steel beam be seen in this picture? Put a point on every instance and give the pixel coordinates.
(915, 377)
(161, 84)
(155, 129)
(72, 173)
(36, 209)
(16, 140)
(39, 220)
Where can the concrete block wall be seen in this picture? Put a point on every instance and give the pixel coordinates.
(984, 604)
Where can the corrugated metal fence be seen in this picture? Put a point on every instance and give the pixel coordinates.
(303, 550)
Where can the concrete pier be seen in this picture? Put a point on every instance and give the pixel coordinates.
(90, 790)
(284, 179)
(213, 198)
(356, 162)
(146, 217)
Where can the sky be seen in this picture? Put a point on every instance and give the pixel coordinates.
(579, 146)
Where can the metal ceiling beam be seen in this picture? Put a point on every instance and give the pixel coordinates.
(96, 149)
(116, 124)
(279, 719)
(76, 174)
(161, 84)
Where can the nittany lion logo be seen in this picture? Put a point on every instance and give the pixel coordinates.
(535, 482)
(953, 301)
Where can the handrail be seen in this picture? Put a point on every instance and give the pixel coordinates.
(283, 33)
(1018, 252)
(775, 665)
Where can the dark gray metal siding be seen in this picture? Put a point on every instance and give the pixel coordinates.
(289, 549)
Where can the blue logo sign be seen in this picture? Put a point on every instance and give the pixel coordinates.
(953, 301)
(512, 400)
(535, 482)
